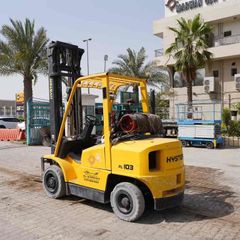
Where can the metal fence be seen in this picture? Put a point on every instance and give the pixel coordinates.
(200, 110)
(232, 141)
(230, 101)
(38, 116)
(219, 41)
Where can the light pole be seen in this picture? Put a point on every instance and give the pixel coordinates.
(105, 62)
(86, 41)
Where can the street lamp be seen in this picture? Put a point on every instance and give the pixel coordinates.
(105, 62)
(86, 41)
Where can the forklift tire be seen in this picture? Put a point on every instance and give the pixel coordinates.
(53, 182)
(127, 201)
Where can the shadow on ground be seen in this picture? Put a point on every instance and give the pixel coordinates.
(199, 204)
(196, 207)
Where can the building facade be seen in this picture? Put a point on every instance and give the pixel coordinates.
(7, 108)
(224, 68)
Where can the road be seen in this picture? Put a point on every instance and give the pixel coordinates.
(211, 208)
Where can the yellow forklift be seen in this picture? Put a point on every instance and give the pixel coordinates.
(129, 167)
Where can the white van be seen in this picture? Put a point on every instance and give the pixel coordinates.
(9, 122)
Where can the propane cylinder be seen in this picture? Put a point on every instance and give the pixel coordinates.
(141, 123)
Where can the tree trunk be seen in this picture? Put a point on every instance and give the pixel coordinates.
(27, 83)
(189, 95)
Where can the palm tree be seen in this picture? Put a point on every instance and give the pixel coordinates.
(133, 64)
(23, 51)
(190, 49)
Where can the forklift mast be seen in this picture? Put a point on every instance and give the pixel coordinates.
(64, 66)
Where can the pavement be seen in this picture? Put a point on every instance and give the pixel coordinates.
(211, 208)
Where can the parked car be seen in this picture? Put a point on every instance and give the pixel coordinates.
(9, 122)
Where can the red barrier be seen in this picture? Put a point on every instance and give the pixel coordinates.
(21, 135)
(11, 134)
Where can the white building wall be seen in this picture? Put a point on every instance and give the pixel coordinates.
(223, 15)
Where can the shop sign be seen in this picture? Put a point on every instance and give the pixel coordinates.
(181, 7)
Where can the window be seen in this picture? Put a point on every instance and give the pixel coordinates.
(233, 71)
(8, 111)
(216, 73)
(99, 110)
(200, 74)
(89, 110)
(179, 82)
(227, 34)
(10, 119)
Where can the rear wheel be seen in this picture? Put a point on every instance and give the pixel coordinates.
(2, 126)
(127, 201)
(210, 145)
(53, 182)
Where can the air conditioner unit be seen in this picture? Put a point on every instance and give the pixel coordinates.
(237, 81)
(209, 84)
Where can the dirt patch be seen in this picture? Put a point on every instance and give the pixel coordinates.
(21, 180)
(204, 177)
(206, 194)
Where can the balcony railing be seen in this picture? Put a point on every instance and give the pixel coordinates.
(159, 52)
(220, 41)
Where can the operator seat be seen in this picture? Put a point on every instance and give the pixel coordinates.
(76, 144)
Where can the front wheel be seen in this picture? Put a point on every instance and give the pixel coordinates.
(53, 182)
(184, 143)
(127, 201)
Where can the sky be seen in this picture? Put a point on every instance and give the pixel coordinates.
(113, 26)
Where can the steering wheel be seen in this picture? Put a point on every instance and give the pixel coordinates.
(92, 120)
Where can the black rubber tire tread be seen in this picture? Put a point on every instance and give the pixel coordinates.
(61, 191)
(137, 198)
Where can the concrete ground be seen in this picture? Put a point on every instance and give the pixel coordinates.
(210, 210)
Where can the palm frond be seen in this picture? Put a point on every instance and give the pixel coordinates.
(22, 50)
(133, 64)
(190, 46)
